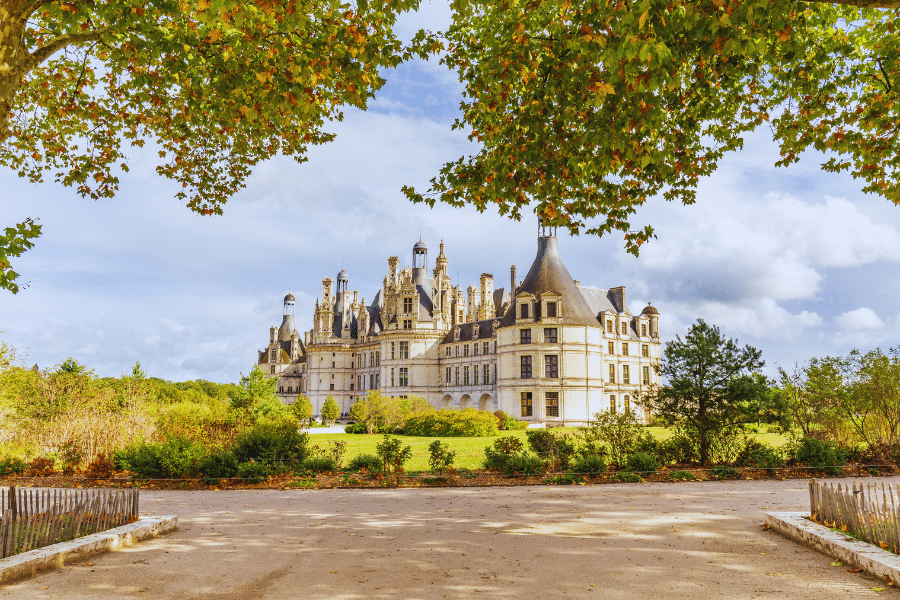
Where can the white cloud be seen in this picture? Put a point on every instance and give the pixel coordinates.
(861, 318)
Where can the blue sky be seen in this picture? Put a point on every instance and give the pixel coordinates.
(796, 262)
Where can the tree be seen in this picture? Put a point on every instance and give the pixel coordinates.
(359, 412)
(302, 409)
(711, 385)
(872, 401)
(215, 86)
(330, 410)
(588, 108)
(255, 389)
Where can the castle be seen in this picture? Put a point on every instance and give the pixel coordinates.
(547, 349)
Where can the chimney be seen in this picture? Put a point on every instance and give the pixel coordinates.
(512, 282)
(618, 297)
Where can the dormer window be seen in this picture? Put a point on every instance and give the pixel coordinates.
(523, 311)
(643, 330)
(456, 338)
(475, 332)
(609, 327)
(624, 328)
(551, 309)
(407, 305)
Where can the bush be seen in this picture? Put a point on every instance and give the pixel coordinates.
(441, 458)
(681, 476)
(501, 417)
(627, 478)
(620, 432)
(565, 479)
(497, 456)
(589, 463)
(675, 450)
(367, 462)
(820, 454)
(357, 428)
(513, 425)
(524, 464)
(176, 457)
(12, 466)
(320, 464)
(222, 464)
(393, 455)
(641, 462)
(271, 441)
(468, 422)
(41, 467)
(557, 448)
(101, 468)
(724, 472)
(253, 472)
(758, 455)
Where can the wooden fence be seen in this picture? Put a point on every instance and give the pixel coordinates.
(863, 510)
(37, 518)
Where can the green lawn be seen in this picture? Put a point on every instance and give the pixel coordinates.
(469, 451)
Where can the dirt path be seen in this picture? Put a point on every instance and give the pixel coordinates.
(672, 541)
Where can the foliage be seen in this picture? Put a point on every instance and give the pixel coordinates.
(557, 449)
(209, 421)
(176, 457)
(641, 462)
(270, 441)
(819, 454)
(12, 466)
(380, 412)
(627, 477)
(620, 432)
(358, 428)
(589, 463)
(440, 456)
(319, 464)
(254, 472)
(101, 467)
(724, 447)
(255, 390)
(501, 451)
(759, 455)
(724, 472)
(359, 412)
(681, 476)
(221, 464)
(468, 422)
(302, 409)
(368, 462)
(524, 464)
(330, 410)
(393, 455)
(714, 386)
(564, 479)
(501, 417)
(42, 466)
(588, 109)
(514, 425)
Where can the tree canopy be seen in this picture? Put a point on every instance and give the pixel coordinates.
(582, 109)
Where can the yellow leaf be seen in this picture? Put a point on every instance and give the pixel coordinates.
(643, 19)
(262, 77)
(202, 5)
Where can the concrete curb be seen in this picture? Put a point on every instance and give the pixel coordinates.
(29, 563)
(862, 555)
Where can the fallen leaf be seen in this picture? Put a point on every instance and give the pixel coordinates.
(877, 589)
(334, 571)
(854, 570)
(836, 564)
(87, 564)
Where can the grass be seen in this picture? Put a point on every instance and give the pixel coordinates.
(469, 451)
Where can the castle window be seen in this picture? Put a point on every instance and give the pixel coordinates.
(331, 386)
(407, 305)
(475, 373)
(447, 374)
(612, 403)
(550, 335)
(272, 370)
(377, 380)
(487, 348)
(404, 349)
(466, 375)
(378, 358)
(627, 403)
(457, 376)
(407, 324)
(404, 377)
(486, 374)
(526, 404)
(551, 309)
(611, 346)
(643, 330)
(465, 350)
(624, 328)
(612, 373)
(645, 351)
(523, 311)
(624, 348)
(280, 389)
(359, 382)
(392, 377)
(290, 390)
(449, 352)
(475, 349)
(457, 351)
(332, 364)
(392, 350)
(351, 387)
(551, 404)
(551, 366)
(525, 367)
(525, 336)
(626, 374)
(274, 355)
(609, 327)
(645, 372)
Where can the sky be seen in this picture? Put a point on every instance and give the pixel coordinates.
(796, 262)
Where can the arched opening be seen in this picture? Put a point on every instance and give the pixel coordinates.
(486, 402)
(465, 402)
(447, 401)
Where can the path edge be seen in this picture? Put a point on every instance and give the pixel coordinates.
(855, 553)
(28, 564)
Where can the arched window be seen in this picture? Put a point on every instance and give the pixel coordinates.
(290, 390)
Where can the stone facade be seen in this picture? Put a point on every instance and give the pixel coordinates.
(545, 349)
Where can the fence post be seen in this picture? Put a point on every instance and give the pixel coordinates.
(4, 531)
(12, 501)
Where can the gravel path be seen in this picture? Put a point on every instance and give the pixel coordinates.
(623, 541)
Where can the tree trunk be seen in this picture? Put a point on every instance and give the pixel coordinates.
(13, 59)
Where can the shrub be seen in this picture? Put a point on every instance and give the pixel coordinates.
(501, 417)
(176, 457)
(12, 466)
(557, 448)
(820, 454)
(357, 428)
(497, 455)
(101, 468)
(468, 422)
(627, 478)
(41, 467)
(320, 464)
(367, 462)
(393, 455)
(681, 476)
(441, 457)
(758, 455)
(675, 450)
(724, 472)
(641, 462)
(253, 472)
(565, 479)
(271, 441)
(513, 425)
(222, 464)
(589, 463)
(620, 432)
(524, 464)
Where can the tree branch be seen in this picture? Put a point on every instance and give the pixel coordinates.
(863, 3)
(48, 50)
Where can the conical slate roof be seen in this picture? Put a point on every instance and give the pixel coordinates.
(549, 274)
